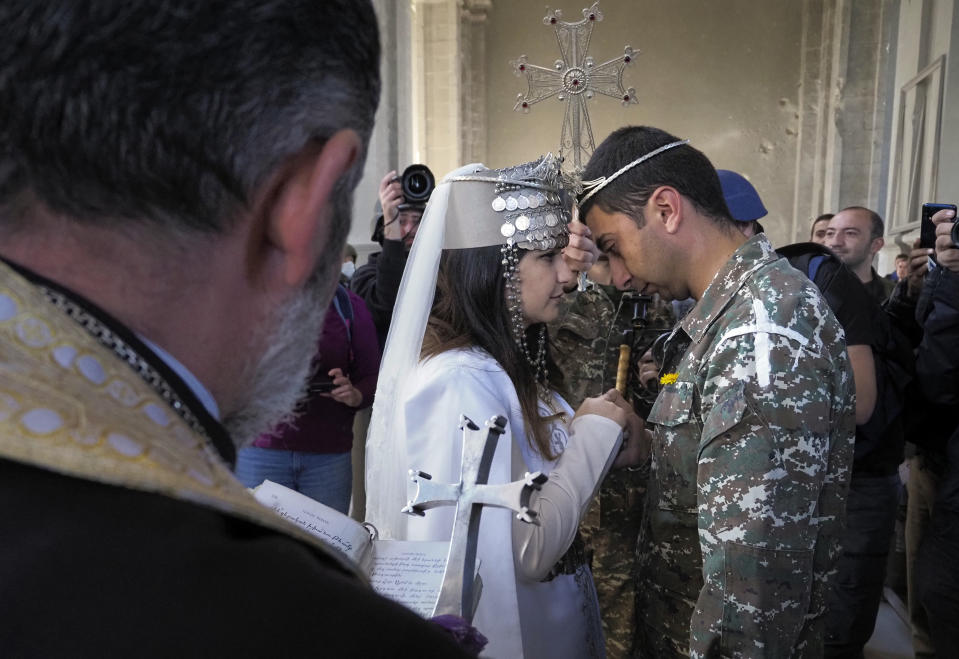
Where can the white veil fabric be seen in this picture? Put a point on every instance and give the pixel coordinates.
(386, 461)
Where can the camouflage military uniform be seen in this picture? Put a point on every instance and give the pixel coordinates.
(586, 340)
(751, 455)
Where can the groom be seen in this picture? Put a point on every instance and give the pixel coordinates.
(752, 432)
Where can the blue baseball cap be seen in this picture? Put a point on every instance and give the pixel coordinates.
(741, 197)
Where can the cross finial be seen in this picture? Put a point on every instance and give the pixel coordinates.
(575, 79)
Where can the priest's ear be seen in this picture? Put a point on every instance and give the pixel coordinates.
(298, 212)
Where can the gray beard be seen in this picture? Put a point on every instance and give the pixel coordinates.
(278, 380)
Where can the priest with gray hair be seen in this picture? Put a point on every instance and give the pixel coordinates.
(175, 180)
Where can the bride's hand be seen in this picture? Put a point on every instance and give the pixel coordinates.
(636, 438)
(603, 406)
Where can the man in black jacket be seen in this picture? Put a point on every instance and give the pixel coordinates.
(937, 370)
(855, 234)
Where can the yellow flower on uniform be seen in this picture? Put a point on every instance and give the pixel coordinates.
(669, 378)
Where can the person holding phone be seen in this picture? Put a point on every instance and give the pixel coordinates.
(311, 453)
(928, 230)
(937, 370)
(928, 421)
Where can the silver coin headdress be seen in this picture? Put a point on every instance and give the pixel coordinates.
(523, 206)
(519, 207)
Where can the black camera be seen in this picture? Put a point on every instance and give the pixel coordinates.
(417, 183)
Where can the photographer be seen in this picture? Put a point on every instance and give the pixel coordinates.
(937, 367)
(397, 217)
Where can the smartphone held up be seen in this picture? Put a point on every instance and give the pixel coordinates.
(927, 230)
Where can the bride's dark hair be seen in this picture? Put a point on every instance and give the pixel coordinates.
(469, 309)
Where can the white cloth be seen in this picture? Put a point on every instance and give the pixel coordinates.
(521, 615)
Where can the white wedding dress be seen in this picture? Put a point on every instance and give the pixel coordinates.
(521, 615)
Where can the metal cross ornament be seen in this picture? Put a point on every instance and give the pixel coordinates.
(469, 496)
(575, 79)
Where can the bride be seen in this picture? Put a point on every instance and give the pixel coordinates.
(468, 337)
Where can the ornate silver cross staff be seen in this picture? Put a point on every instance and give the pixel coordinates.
(469, 496)
(575, 79)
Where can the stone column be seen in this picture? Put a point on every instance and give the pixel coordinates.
(845, 100)
(436, 84)
(473, 73)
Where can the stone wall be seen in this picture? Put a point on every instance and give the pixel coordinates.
(801, 96)
(725, 74)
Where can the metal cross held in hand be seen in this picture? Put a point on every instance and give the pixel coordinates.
(469, 496)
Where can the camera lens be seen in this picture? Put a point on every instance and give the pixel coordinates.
(417, 183)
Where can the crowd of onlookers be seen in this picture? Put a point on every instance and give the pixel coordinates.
(917, 402)
(901, 333)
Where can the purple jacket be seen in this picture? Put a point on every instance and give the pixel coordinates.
(324, 425)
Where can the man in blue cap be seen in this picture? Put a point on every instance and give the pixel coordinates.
(743, 201)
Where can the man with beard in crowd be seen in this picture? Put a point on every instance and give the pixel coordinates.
(855, 235)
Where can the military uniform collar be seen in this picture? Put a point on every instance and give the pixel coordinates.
(749, 257)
